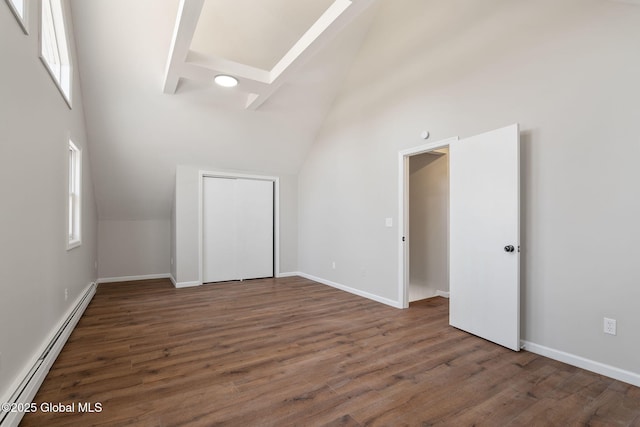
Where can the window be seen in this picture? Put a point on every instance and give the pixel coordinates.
(54, 50)
(19, 9)
(75, 176)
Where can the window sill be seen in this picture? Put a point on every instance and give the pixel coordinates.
(56, 82)
(22, 20)
(73, 244)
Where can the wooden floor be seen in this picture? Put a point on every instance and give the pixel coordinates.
(293, 352)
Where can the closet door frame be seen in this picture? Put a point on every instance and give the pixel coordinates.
(276, 214)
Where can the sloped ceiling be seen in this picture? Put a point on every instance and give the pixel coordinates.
(138, 134)
(226, 30)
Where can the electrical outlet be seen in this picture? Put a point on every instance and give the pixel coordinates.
(171, 261)
(333, 265)
(95, 265)
(66, 294)
(610, 326)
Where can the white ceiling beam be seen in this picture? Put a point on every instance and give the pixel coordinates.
(335, 18)
(326, 20)
(196, 72)
(225, 66)
(258, 83)
(186, 22)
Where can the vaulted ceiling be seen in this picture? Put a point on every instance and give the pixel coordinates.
(259, 38)
(146, 69)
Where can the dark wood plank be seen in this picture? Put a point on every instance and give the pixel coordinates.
(294, 352)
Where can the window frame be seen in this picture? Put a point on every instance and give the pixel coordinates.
(60, 69)
(21, 17)
(74, 196)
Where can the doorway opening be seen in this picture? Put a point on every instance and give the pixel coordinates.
(428, 225)
(483, 233)
(424, 222)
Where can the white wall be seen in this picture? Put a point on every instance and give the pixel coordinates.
(133, 248)
(172, 254)
(187, 235)
(186, 224)
(428, 225)
(568, 73)
(35, 125)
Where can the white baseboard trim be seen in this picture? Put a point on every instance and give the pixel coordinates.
(580, 362)
(132, 278)
(177, 284)
(443, 294)
(288, 274)
(187, 284)
(24, 389)
(358, 292)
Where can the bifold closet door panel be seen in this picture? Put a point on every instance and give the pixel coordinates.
(255, 228)
(219, 240)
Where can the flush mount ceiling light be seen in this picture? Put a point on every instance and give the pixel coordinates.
(225, 80)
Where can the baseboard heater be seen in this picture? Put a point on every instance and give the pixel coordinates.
(28, 387)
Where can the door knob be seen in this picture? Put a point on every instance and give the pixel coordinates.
(509, 248)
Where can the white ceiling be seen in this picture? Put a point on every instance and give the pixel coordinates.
(256, 33)
(138, 134)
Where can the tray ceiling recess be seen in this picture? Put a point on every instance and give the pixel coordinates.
(260, 43)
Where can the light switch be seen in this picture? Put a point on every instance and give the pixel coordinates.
(388, 222)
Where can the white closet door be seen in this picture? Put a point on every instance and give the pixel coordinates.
(255, 228)
(237, 229)
(219, 239)
(485, 236)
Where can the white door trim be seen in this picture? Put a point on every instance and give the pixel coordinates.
(276, 214)
(403, 212)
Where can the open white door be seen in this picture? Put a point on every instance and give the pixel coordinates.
(484, 259)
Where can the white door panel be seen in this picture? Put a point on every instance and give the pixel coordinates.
(219, 230)
(255, 228)
(484, 219)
